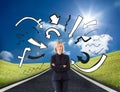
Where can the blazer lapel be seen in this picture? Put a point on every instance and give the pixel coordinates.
(58, 60)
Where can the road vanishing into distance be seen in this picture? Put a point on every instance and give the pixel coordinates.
(43, 83)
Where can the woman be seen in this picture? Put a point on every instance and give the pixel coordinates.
(60, 66)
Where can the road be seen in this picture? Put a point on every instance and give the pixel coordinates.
(43, 84)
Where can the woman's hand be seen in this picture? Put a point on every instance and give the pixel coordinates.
(64, 66)
(53, 64)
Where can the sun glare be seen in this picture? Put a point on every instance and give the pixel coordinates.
(87, 17)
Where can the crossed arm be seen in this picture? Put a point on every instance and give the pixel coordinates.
(58, 67)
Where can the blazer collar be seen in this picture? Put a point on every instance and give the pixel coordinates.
(58, 58)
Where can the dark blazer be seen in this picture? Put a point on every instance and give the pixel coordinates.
(59, 72)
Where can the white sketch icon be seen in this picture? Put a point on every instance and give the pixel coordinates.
(52, 29)
(35, 42)
(25, 18)
(22, 57)
(54, 19)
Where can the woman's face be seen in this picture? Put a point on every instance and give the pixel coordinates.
(59, 49)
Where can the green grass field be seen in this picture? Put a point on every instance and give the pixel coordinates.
(108, 73)
(10, 73)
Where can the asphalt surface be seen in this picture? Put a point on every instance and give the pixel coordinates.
(43, 84)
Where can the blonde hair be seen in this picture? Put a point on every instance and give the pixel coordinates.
(57, 45)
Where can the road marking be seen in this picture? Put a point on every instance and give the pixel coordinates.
(18, 83)
(95, 82)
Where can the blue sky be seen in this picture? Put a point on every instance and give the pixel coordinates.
(105, 12)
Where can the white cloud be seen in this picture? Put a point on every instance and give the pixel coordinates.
(98, 44)
(67, 52)
(52, 43)
(5, 55)
(70, 42)
(48, 25)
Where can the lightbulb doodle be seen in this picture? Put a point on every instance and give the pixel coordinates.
(54, 20)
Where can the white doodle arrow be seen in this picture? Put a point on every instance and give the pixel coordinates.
(54, 19)
(78, 21)
(95, 67)
(36, 43)
(93, 22)
(22, 57)
(51, 29)
(37, 21)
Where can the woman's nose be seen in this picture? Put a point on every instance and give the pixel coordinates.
(60, 48)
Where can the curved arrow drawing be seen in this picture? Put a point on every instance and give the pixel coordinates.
(84, 61)
(52, 29)
(37, 21)
(36, 57)
(94, 67)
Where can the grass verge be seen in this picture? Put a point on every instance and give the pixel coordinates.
(10, 73)
(108, 73)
